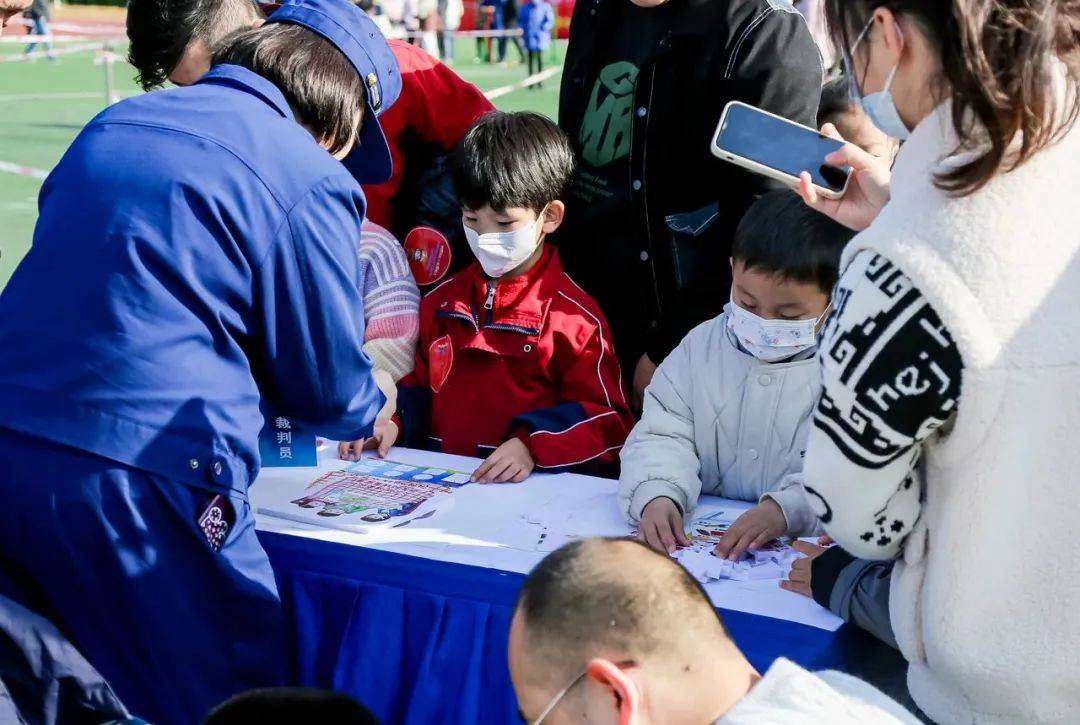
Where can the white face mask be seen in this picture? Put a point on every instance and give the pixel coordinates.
(879, 106)
(502, 252)
(772, 340)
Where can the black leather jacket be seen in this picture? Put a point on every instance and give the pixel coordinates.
(685, 202)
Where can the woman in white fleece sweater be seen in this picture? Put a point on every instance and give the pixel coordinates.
(945, 430)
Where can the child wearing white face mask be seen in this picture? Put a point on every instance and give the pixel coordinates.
(729, 410)
(515, 363)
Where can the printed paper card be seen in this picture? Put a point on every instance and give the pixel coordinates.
(371, 492)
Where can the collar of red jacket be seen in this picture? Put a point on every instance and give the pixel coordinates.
(520, 301)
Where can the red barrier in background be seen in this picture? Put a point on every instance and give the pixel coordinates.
(563, 10)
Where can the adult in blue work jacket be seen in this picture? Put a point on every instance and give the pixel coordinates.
(194, 263)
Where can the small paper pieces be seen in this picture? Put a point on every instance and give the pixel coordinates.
(772, 563)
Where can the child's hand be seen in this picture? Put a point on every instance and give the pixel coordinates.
(798, 580)
(509, 463)
(385, 435)
(753, 529)
(661, 525)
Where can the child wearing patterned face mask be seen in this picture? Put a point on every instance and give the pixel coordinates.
(515, 363)
(728, 411)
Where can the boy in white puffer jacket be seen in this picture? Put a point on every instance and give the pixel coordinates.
(728, 411)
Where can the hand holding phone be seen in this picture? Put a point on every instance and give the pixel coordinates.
(767, 144)
(867, 191)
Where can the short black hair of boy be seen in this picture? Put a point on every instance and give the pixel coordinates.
(319, 82)
(782, 236)
(288, 705)
(160, 31)
(835, 101)
(512, 160)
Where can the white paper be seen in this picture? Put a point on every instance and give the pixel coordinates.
(511, 527)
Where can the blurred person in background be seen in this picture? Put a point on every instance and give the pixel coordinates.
(428, 26)
(510, 11)
(39, 14)
(451, 12)
(537, 22)
(381, 19)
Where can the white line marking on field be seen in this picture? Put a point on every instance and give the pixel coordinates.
(525, 83)
(57, 52)
(57, 96)
(23, 170)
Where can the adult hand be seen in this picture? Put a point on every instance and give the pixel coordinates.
(798, 580)
(385, 435)
(752, 530)
(643, 374)
(661, 525)
(509, 463)
(867, 190)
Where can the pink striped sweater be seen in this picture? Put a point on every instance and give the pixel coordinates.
(391, 302)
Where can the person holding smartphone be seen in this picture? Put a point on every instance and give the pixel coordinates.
(951, 368)
(650, 212)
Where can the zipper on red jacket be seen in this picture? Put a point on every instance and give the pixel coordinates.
(489, 303)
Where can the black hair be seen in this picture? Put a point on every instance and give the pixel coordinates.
(835, 100)
(160, 30)
(320, 84)
(287, 705)
(582, 597)
(781, 235)
(512, 160)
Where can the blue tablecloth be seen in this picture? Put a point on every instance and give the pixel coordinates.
(421, 641)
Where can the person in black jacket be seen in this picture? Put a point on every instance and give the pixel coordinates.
(650, 212)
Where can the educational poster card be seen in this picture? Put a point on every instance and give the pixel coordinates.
(369, 493)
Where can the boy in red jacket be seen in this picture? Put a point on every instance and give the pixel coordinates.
(515, 362)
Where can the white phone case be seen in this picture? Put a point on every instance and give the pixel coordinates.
(758, 168)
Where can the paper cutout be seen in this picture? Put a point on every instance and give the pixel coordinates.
(771, 561)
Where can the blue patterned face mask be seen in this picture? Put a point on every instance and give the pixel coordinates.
(772, 340)
(878, 106)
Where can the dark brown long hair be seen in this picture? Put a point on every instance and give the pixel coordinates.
(315, 77)
(994, 57)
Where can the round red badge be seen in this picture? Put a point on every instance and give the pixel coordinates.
(428, 251)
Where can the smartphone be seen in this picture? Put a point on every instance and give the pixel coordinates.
(767, 144)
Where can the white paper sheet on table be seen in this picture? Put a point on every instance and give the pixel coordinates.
(511, 527)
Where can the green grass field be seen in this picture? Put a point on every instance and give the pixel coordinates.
(43, 106)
